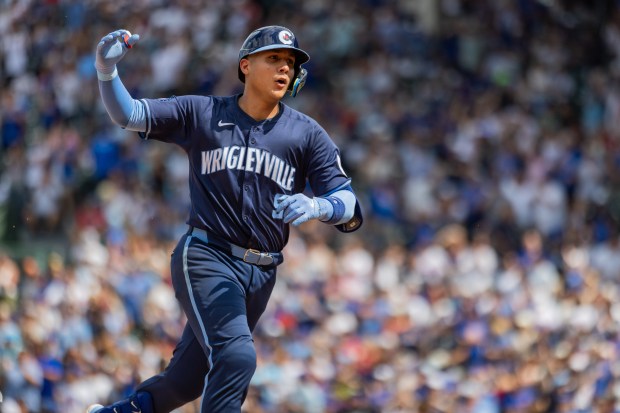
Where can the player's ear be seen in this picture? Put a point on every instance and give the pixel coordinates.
(244, 66)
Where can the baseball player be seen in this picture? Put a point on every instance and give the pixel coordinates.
(250, 159)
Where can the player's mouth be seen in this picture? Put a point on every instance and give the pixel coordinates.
(282, 82)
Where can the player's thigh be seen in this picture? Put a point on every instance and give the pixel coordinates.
(207, 286)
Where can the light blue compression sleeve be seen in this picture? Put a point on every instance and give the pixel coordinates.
(124, 110)
(347, 199)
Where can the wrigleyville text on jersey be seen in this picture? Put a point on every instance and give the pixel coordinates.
(249, 160)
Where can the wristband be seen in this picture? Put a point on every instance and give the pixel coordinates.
(339, 209)
(107, 76)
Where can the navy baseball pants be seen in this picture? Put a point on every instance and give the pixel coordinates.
(223, 298)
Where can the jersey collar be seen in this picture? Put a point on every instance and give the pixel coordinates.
(246, 120)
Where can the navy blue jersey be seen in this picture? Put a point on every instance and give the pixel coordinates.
(239, 165)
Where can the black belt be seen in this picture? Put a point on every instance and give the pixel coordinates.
(248, 255)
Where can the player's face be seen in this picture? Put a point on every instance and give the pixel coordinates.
(270, 72)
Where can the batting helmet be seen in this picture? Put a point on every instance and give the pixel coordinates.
(275, 37)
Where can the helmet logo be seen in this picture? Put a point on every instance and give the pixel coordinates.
(285, 37)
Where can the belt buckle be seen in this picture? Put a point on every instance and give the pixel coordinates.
(253, 256)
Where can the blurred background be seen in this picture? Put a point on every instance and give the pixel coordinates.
(483, 139)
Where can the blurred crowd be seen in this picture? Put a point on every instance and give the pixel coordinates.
(483, 138)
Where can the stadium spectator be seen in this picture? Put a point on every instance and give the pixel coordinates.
(483, 138)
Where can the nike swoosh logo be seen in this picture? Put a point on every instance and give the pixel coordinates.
(220, 124)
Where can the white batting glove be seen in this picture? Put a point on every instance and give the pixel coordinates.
(299, 208)
(112, 48)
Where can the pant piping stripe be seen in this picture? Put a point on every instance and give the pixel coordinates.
(196, 312)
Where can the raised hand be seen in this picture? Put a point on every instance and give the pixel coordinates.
(112, 48)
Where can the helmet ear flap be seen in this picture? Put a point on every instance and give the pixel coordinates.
(299, 82)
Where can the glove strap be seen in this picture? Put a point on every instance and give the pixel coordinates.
(106, 77)
(323, 210)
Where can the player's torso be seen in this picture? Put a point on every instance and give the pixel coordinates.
(238, 166)
(264, 152)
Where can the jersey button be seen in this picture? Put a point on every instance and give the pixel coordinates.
(246, 187)
(253, 141)
(245, 218)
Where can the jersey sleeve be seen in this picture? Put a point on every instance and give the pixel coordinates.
(326, 175)
(174, 119)
(324, 168)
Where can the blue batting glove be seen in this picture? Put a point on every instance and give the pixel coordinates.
(299, 208)
(112, 48)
